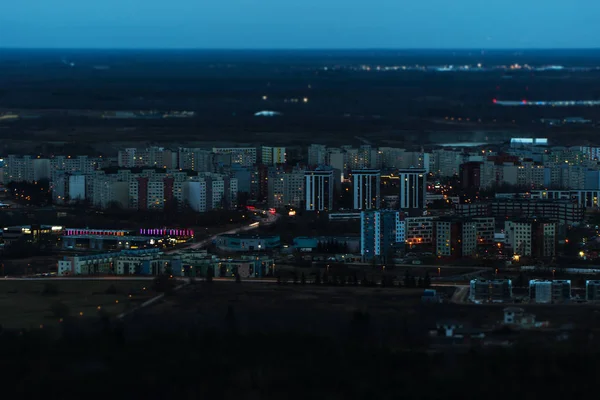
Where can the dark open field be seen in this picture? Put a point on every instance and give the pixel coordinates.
(225, 89)
(329, 311)
(31, 304)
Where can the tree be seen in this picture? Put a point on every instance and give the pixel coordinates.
(317, 278)
(210, 273)
(407, 279)
(427, 282)
(303, 279)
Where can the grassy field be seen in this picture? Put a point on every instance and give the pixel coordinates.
(31, 304)
(271, 308)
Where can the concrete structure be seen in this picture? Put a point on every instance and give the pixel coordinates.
(455, 237)
(413, 188)
(319, 190)
(366, 189)
(495, 291)
(531, 237)
(247, 243)
(546, 292)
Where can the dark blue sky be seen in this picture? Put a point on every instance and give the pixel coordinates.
(301, 23)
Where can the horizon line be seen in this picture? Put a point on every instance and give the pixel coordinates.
(478, 49)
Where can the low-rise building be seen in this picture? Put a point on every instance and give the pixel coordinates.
(592, 290)
(495, 291)
(247, 242)
(545, 292)
(104, 264)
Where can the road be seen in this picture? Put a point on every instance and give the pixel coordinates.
(460, 294)
(271, 219)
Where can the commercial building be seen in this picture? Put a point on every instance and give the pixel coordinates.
(366, 189)
(455, 237)
(380, 231)
(413, 188)
(546, 292)
(495, 291)
(319, 190)
(247, 242)
(535, 237)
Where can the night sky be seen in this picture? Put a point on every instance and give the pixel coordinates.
(292, 24)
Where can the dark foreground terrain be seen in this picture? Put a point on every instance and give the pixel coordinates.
(243, 341)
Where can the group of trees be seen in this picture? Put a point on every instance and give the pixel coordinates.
(31, 193)
(332, 246)
(331, 279)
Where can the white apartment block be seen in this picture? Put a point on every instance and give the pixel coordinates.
(448, 162)
(244, 156)
(455, 238)
(317, 155)
(195, 159)
(366, 189)
(275, 188)
(531, 237)
(194, 194)
(318, 189)
(293, 187)
(273, 155)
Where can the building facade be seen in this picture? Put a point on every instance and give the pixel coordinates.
(380, 232)
(366, 189)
